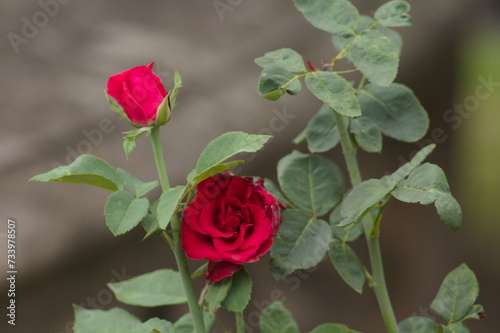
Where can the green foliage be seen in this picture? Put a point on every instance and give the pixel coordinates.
(85, 169)
(457, 295)
(304, 243)
(286, 57)
(367, 134)
(334, 90)
(161, 287)
(224, 147)
(185, 323)
(124, 211)
(427, 184)
(394, 14)
(311, 182)
(239, 293)
(453, 328)
(276, 80)
(175, 91)
(131, 136)
(346, 234)
(417, 325)
(335, 16)
(395, 110)
(211, 172)
(347, 264)
(366, 23)
(373, 53)
(168, 204)
(332, 328)
(116, 320)
(369, 193)
(277, 319)
(321, 132)
(136, 186)
(216, 293)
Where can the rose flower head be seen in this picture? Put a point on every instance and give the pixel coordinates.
(141, 95)
(232, 221)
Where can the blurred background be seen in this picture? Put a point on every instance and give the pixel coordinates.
(55, 59)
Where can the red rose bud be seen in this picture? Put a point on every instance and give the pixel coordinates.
(232, 221)
(141, 95)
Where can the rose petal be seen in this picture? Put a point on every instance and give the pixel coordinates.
(190, 219)
(239, 188)
(216, 271)
(229, 244)
(132, 108)
(207, 221)
(261, 228)
(198, 246)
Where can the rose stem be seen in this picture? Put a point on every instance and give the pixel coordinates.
(372, 238)
(240, 322)
(180, 256)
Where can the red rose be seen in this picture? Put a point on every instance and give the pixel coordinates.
(140, 93)
(231, 221)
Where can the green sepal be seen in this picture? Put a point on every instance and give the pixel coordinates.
(175, 91)
(119, 111)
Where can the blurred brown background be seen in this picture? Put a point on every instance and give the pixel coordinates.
(53, 108)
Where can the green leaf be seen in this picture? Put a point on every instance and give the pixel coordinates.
(286, 57)
(150, 224)
(313, 183)
(394, 14)
(239, 294)
(332, 328)
(335, 91)
(304, 243)
(161, 287)
(375, 56)
(226, 146)
(155, 325)
(474, 312)
(116, 320)
(85, 169)
(211, 172)
(124, 211)
(301, 137)
(417, 325)
(370, 192)
(216, 293)
(136, 186)
(367, 134)
(167, 205)
(366, 23)
(334, 16)
(428, 184)
(347, 264)
(346, 234)
(275, 80)
(175, 90)
(453, 328)
(185, 323)
(321, 132)
(456, 295)
(277, 319)
(396, 110)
